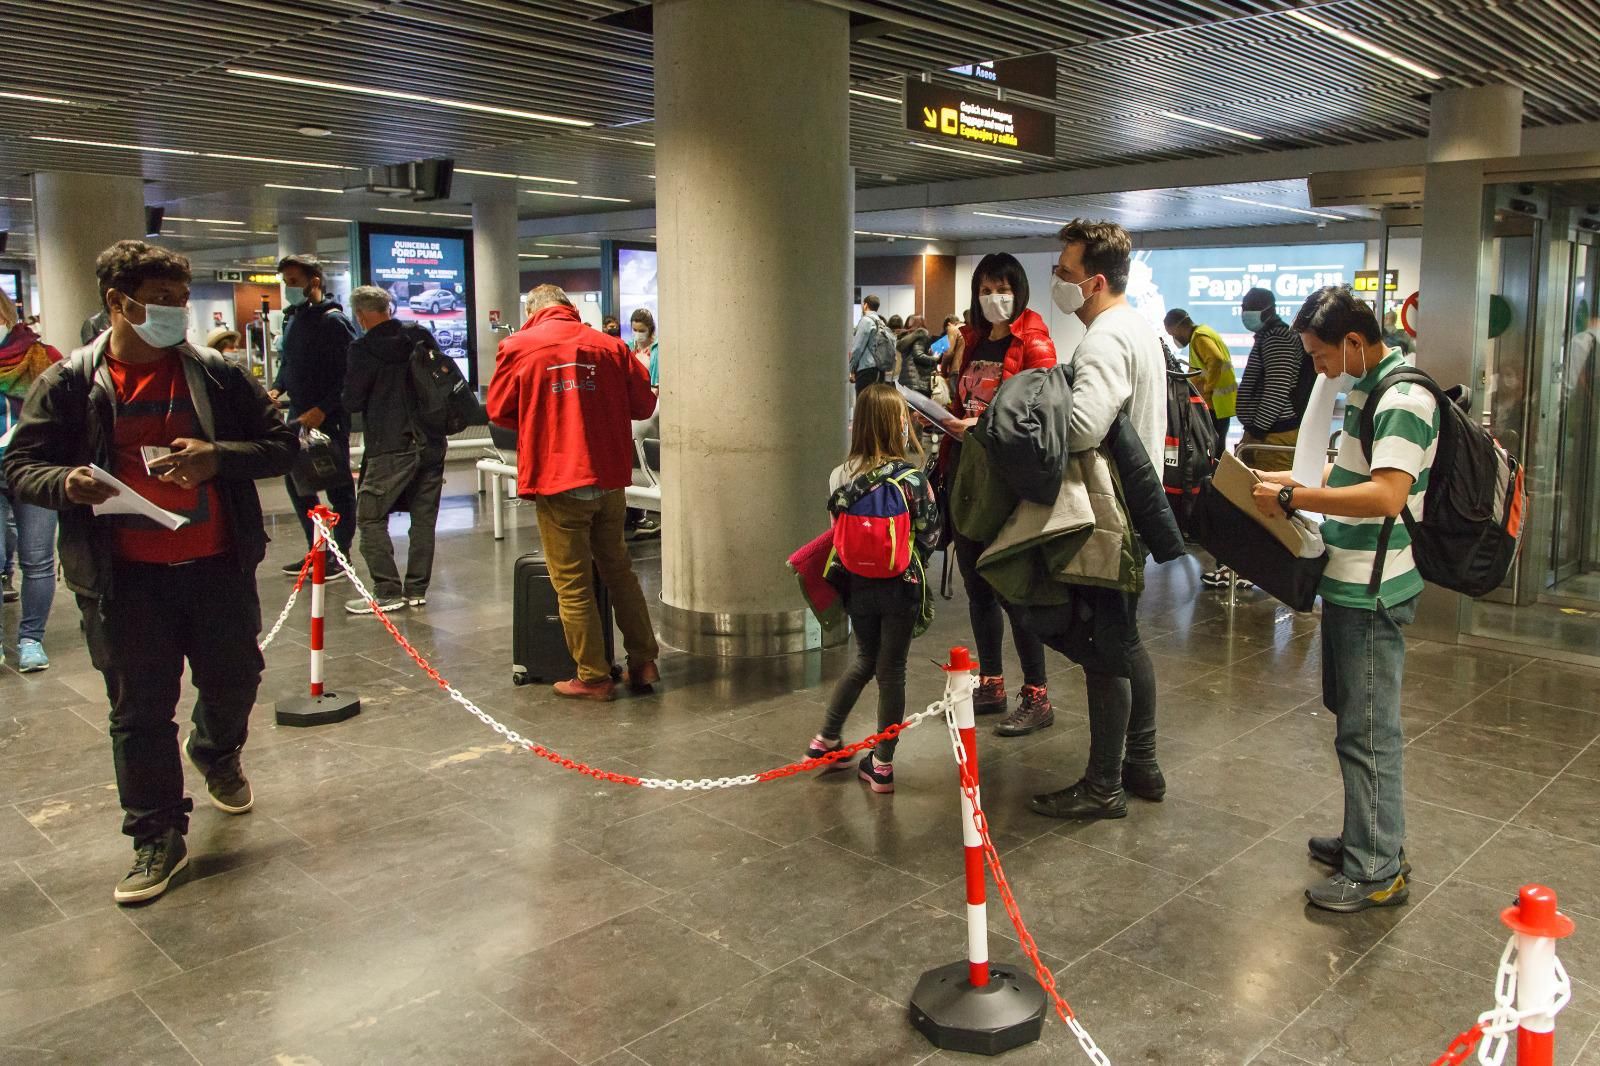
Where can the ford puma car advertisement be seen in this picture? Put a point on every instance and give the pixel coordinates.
(427, 274)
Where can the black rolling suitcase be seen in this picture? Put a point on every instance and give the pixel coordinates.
(538, 643)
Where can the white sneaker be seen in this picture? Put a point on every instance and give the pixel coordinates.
(389, 604)
(416, 601)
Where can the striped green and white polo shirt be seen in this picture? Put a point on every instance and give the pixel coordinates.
(1405, 438)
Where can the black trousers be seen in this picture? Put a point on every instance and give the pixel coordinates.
(1122, 711)
(869, 376)
(1221, 425)
(342, 497)
(411, 481)
(883, 641)
(988, 613)
(206, 612)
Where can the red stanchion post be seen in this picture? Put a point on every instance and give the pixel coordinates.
(321, 707)
(975, 1006)
(1542, 986)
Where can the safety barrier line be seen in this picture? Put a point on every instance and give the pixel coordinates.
(705, 784)
(294, 594)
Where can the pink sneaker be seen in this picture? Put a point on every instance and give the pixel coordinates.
(819, 747)
(879, 776)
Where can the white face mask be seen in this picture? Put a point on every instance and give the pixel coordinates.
(997, 306)
(1068, 296)
(162, 327)
(640, 338)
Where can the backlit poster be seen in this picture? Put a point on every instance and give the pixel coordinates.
(636, 284)
(11, 285)
(1210, 282)
(427, 275)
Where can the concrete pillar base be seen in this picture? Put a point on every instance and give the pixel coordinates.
(746, 633)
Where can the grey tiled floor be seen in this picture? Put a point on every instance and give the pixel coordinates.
(409, 891)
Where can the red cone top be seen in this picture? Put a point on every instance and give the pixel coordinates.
(1535, 914)
(960, 661)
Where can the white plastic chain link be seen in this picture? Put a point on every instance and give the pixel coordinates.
(703, 784)
(1085, 1041)
(294, 594)
(1501, 1021)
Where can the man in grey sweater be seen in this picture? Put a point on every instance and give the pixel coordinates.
(1118, 368)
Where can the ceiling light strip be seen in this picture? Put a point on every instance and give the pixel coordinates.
(963, 151)
(513, 177)
(34, 98)
(1370, 47)
(301, 188)
(1231, 131)
(419, 98)
(1284, 207)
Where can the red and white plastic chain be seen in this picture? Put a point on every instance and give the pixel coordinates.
(294, 594)
(1500, 1022)
(705, 784)
(991, 857)
(1460, 1048)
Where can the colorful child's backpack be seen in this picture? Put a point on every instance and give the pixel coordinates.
(872, 534)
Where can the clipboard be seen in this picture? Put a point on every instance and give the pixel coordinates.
(1237, 482)
(932, 412)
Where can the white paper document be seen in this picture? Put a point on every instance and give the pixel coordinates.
(922, 405)
(129, 502)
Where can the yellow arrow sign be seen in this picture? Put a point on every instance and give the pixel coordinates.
(930, 118)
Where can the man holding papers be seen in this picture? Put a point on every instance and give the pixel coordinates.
(189, 433)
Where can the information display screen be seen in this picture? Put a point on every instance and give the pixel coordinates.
(428, 273)
(11, 285)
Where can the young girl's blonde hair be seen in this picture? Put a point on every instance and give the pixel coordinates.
(881, 430)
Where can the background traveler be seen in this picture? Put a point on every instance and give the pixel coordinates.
(1217, 384)
(871, 346)
(316, 343)
(402, 463)
(917, 363)
(23, 358)
(152, 597)
(570, 392)
(1277, 382)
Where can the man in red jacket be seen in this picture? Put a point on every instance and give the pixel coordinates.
(572, 393)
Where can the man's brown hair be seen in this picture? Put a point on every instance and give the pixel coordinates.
(1107, 249)
(128, 264)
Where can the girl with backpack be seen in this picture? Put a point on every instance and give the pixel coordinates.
(886, 523)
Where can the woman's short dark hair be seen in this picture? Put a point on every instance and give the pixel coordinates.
(128, 264)
(999, 266)
(1334, 312)
(643, 315)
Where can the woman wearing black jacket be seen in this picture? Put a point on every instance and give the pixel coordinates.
(916, 364)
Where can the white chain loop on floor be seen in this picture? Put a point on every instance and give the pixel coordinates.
(294, 594)
(1503, 1019)
(703, 784)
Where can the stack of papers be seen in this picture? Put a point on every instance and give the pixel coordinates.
(129, 502)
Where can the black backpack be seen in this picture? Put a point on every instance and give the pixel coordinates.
(1191, 440)
(445, 403)
(1473, 507)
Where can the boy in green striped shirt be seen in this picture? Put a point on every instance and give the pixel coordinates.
(1363, 648)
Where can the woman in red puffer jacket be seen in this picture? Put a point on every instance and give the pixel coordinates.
(1001, 337)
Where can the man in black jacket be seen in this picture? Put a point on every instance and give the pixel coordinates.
(191, 433)
(1277, 382)
(316, 341)
(403, 459)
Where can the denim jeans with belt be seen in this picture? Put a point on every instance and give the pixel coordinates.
(1363, 663)
(36, 558)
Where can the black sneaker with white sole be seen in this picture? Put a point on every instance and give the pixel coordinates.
(292, 569)
(389, 604)
(1330, 852)
(155, 863)
(226, 785)
(420, 600)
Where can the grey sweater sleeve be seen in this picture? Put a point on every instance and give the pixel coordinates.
(1102, 384)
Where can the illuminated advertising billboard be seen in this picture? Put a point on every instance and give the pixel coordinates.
(636, 284)
(429, 275)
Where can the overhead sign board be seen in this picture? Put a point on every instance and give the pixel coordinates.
(230, 275)
(1367, 281)
(978, 120)
(1035, 75)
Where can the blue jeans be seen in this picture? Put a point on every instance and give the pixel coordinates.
(36, 558)
(1363, 663)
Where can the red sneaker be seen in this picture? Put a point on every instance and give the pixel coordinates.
(578, 689)
(990, 696)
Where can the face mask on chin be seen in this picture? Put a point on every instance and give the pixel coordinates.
(163, 327)
(997, 306)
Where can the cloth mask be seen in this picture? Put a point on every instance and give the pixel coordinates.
(1251, 320)
(162, 327)
(294, 294)
(640, 339)
(997, 306)
(1068, 296)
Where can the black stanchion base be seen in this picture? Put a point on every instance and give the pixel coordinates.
(325, 709)
(954, 1015)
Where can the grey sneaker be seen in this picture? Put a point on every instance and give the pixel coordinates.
(1330, 852)
(226, 784)
(1344, 896)
(155, 864)
(390, 604)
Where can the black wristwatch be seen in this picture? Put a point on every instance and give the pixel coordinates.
(1286, 499)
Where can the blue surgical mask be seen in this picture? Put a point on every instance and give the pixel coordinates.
(294, 294)
(1251, 320)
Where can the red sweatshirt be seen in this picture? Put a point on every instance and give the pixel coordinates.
(571, 393)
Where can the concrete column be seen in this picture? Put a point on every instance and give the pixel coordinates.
(754, 233)
(1466, 126)
(495, 283)
(76, 217)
